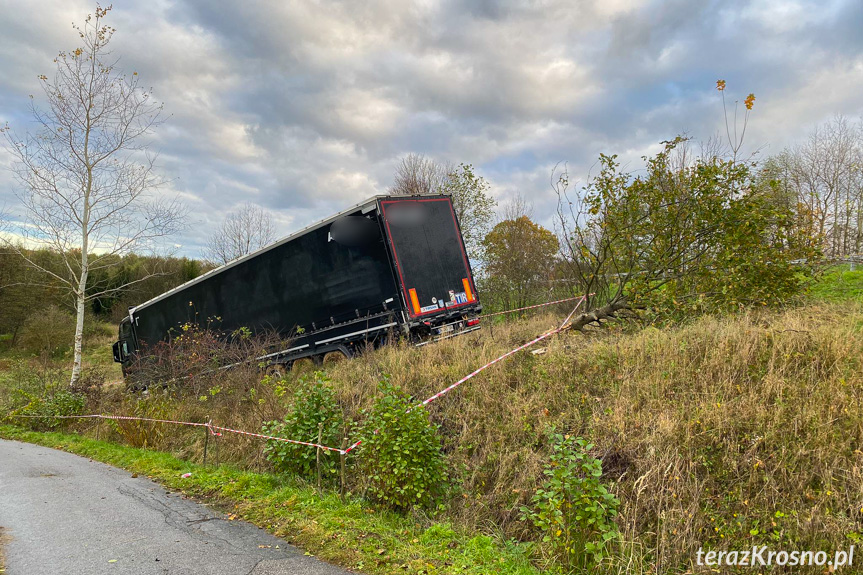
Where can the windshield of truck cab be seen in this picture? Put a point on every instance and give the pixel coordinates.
(125, 329)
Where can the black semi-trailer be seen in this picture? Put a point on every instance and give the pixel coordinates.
(392, 265)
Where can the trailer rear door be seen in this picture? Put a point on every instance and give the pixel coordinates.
(427, 245)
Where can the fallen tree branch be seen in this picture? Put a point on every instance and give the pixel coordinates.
(610, 310)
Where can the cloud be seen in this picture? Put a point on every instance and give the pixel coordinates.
(305, 108)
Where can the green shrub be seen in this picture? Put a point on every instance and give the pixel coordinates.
(38, 391)
(401, 455)
(573, 508)
(314, 404)
(40, 411)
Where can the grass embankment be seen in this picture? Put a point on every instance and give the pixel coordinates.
(351, 534)
(725, 433)
(96, 356)
(839, 283)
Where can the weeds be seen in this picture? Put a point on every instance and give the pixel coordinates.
(141, 433)
(42, 394)
(44, 412)
(573, 508)
(196, 357)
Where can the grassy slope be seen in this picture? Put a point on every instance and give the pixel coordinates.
(729, 431)
(96, 354)
(724, 433)
(839, 283)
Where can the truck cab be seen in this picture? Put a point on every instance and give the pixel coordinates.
(124, 348)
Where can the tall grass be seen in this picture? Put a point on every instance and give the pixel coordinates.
(725, 433)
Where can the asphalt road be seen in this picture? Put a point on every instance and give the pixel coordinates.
(66, 514)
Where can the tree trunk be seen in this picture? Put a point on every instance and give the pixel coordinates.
(79, 328)
(858, 236)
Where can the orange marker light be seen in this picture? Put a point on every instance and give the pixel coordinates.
(467, 291)
(415, 300)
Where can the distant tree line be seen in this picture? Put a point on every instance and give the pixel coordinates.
(26, 293)
(823, 177)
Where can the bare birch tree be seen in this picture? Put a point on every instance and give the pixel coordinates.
(86, 178)
(826, 174)
(244, 231)
(418, 175)
(473, 204)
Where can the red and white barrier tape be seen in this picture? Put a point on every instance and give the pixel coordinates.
(533, 306)
(210, 427)
(494, 361)
(306, 443)
(54, 416)
(504, 356)
(121, 418)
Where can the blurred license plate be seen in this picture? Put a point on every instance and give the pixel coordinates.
(445, 329)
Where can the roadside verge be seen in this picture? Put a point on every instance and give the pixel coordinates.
(351, 534)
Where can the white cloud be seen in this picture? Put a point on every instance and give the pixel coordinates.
(304, 108)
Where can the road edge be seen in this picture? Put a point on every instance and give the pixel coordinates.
(353, 534)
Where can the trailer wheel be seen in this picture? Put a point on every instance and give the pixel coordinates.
(334, 357)
(276, 370)
(302, 365)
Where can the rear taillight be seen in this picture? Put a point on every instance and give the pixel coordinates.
(472, 322)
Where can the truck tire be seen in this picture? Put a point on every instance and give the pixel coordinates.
(334, 357)
(303, 365)
(277, 370)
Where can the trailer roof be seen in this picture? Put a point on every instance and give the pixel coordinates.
(277, 243)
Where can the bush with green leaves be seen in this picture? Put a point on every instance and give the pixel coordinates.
(401, 455)
(39, 392)
(573, 508)
(314, 403)
(40, 411)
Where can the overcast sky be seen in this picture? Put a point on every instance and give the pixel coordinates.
(305, 107)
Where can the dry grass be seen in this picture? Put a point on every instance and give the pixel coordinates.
(4, 539)
(725, 433)
(728, 432)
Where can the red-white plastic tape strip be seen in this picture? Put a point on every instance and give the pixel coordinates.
(578, 297)
(122, 418)
(262, 436)
(55, 416)
(504, 356)
(209, 426)
(494, 361)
